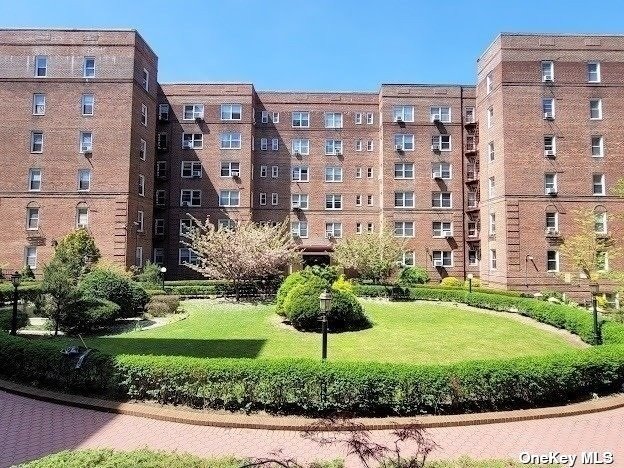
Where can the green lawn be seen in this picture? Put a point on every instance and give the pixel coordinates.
(414, 332)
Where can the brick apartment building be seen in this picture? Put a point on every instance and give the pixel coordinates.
(478, 179)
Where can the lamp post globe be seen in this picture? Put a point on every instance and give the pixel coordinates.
(163, 270)
(15, 280)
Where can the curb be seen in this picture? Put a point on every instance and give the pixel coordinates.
(284, 423)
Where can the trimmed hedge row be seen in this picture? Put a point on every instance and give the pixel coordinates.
(27, 291)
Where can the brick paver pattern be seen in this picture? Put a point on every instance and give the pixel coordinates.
(31, 428)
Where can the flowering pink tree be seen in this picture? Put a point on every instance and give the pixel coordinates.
(246, 252)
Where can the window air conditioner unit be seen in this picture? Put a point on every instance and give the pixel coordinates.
(399, 119)
(187, 145)
(551, 231)
(435, 147)
(296, 206)
(81, 226)
(437, 263)
(435, 118)
(163, 118)
(548, 79)
(549, 153)
(86, 149)
(548, 116)
(186, 203)
(437, 175)
(329, 235)
(235, 173)
(337, 152)
(398, 148)
(551, 191)
(199, 119)
(447, 234)
(297, 153)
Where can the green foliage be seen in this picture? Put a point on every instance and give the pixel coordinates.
(346, 313)
(159, 306)
(452, 282)
(412, 276)
(6, 315)
(327, 273)
(140, 298)
(87, 315)
(110, 285)
(60, 285)
(301, 305)
(27, 273)
(343, 284)
(150, 274)
(77, 251)
(292, 280)
(476, 283)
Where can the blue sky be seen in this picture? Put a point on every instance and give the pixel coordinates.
(319, 44)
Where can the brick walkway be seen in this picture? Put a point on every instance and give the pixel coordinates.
(31, 428)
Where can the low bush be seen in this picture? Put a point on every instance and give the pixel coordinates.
(172, 302)
(6, 316)
(412, 276)
(149, 274)
(343, 284)
(155, 292)
(140, 298)
(292, 280)
(112, 286)
(346, 313)
(27, 291)
(193, 290)
(301, 305)
(157, 309)
(87, 315)
(452, 282)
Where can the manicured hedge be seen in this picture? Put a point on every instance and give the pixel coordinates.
(6, 316)
(27, 291)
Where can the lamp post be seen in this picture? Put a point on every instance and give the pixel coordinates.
(325, 302)
(594, 288)
(15, 279)
(163, 270)
(470, 276)
(526, 270)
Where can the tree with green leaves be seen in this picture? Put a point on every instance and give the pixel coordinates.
(59, 284)
(77, 251)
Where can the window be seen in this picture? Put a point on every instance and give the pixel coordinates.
(163, 112)
(275, 144)
(442, 228)
(30, 254)
(597, 147)
(32, 219)
(404, 199)
(262, 198)
(86, 142)
(274, 172)
(488, 83)
(229, 198)
(472, 229)
(403, 113)
(550, 184)
(299, 200)
(275, 117)
(492, 259)
(552, 222)
(264, 117)
(84, 180)
(358, 172)
(299, 229)
(369, 200)
(403, 170)
(89, 67)
(333, 201)
(36, 142)
(472, 199)
(404, 142)
(599, 184)
(552, 261)
(369, 227)
(358, 145)
(263, 171)
(142, 149)
(230, 140)
(333, 147)
(159, 256)
(442, 258)
(471, 143)
(550, 145)
(369, 118)
(602, 261)
(333, 174)
(333, 230)
(161, 169)
(548, 71)
(473, 257)
(159, 226)
(39, 103)
(441, 114)
(408, 258)
(441, 170)
(82, 217)
(226, 224)
(595, 109)
(41, 66)
(141, 185)
(190, 197)
(441, 199)
(140, 221)
(600, 223)
(358, 200)
(369, 145)
(274, 199)
(264, 144)
(300, 174)
(145, 80)
(404, 228)
(593, 72)
(230, 169)
(358, 118)
(491, 153)
(88, 104)
(161, 197)
(191, 169)
(193, 111)
(548, 107)
(185, 226)
(470, 115)
(34, 180)
(301, 119)
(492, 224)
(491, 186)
(231, 111)
(490, 117)
(333, 120)
(301, 146)
(144, 115)
(186, 255)
(192, 140)
(369, 172)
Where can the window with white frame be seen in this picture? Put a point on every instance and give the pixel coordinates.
(472, 229)
(473, 257)
(193, 111)
(191, 169)
(84, 180)
(552, 261)
(404, 228)
(226, 224)
(162, 142)
(358, 200)
(301, 146)
(144, 115)
(598, 184)
(41, 66)
(440, 114)
(470, 115)
(600, 223)
(300, 174)
(403, 170)
(404, 142)
(492, 259)
(299, 229)
(142, 149)
(492, 224)
(86, 142)
(403, 113)
(274, 172)
(87, 104)
(552, 222)
(358, 118)
(358, 172)
(163, 112)
(490, 117)
(442, 228)
(36, 142)
(160, 197)
(32, 219)
(593, 72)
(408, 258)
(145, 80)
(369, 145)
(192, 140)
(190, 197)
(550, 183)
(333, 120)
(471, 143)
(442, 258)
(404, 199)
(441, 200)
(333, 230)
(472, 199)
(262, 198)
(185, 227)
(300, 119)
(159, 256)
(597, 146)
(369, 200)
(30, 257)
(264, 117)
(34, 180)
(491, 153)
(595, 109)
(358, 228)
(299, 200)
(369, 227)
(333, 147)
(230, 169)
(264, 144)
(333, 201)
(548, 70)
(141, 185)
(491, 186)
(229, 198)
(231, 111)
(263, 171)
(550, 145)
(441, 170)
(274, 199)
(159, 226)
(230, 140)
(88, 70)
(186, 255)
(275, 117)
(548, 107)
(358, 145)
(488, 83)
(369, 118)
(82, 217)
(275, 144)
(369, 172)
(602, 261)
(140, 221)
(333, 174)
(39, 104)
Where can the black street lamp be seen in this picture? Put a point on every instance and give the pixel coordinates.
(15, 279)
(163, 270)
(594, 288)
(325, 302)
(470, 276)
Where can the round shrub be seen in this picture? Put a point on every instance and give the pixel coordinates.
(112, 286)
(88, 314)
(411, 276)
(346, 313)
(451, 281)
(6, 317)
(157, 309)
(302, 303)
(140, 298)
(343, 284)
(173, 302)
(292, 280)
